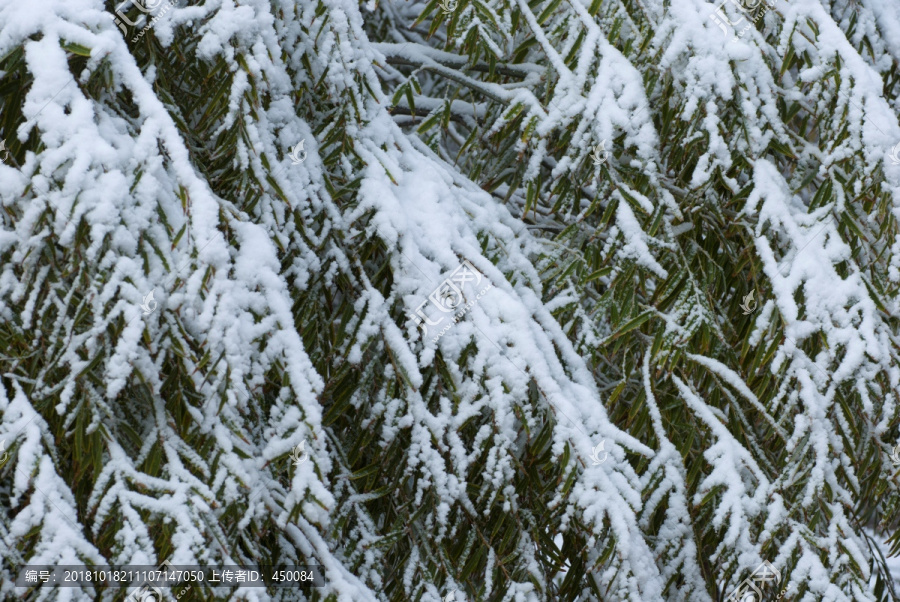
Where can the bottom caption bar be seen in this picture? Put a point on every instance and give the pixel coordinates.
(169, 575)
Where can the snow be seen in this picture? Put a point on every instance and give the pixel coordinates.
(108, 188)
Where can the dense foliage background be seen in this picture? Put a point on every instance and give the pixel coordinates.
(688, 215)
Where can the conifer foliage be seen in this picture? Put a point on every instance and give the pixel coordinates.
(221, 221)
